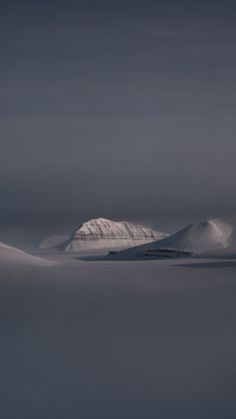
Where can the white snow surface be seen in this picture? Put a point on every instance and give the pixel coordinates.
(10, 256)
(6, 247)
(197, 238)
(103, 234)
(120, 340)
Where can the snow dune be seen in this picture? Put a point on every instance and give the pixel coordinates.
(13, 257)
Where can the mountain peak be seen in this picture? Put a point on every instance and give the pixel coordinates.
(197, 238)
(101, 233)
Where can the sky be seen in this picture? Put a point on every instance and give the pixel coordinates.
(116, 109)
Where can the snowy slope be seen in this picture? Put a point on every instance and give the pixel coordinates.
(201, 237)
(196, 238)
(11, 256)
(102, 234)
(5, 248)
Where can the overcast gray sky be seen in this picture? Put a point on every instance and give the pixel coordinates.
(120, 109)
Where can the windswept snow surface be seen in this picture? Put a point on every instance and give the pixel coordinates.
(197, 238)
(101, 235)
(127, 340)
(7, 248)
(11, 256)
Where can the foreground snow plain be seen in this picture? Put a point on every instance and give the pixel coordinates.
(141, 339)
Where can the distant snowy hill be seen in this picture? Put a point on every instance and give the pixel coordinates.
(101, 234)
(53, 241)
(201, 237)
(197, 238)
(11, 256)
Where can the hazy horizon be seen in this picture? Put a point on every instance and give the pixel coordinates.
(123, 110)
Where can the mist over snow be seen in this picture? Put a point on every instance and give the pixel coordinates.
(97, 339)
(117, 209)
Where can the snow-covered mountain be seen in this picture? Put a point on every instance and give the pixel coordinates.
(102, 234)
(197, 238)
(201, 237)
(53, 242)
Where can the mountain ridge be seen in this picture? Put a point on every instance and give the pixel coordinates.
(101, 233)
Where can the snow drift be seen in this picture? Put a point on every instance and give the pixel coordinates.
(101, 235)
(12, 256)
